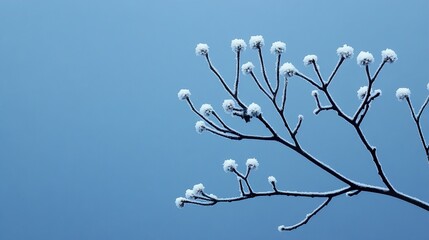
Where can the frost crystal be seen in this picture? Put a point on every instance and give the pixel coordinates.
(252, 163)
(247, 68)
(315, 93)
(402, 93)
(228, 105)
(200, 126)
(345, 51)
(288, 69)
(362, 92)
(198, 189)
(180, 202)
(427, 86)
(254, 110)
(212, 196)
(309, 59)
(202, 49)
(238, 44)
(389, 55)
(189, 194)
(256, 41)
(278, 47)
(272, 180)
(229, 165)
(183, 94)
(364, 58)
(206, 109)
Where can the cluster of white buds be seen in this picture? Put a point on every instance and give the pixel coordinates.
(288, 69)
(389, 55)
(403, 93)
(364, 58)
(202, 49)
(278, 47)
(238, 45)
(183, 94)
(254, 110)
(256, 41)
(345, 51)
(206, 109)
(252, 163)
(309, 59)
(228, 105)
(200, 126)
(247, 67)
(229, 165)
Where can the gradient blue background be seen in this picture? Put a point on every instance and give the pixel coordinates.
(94, 143)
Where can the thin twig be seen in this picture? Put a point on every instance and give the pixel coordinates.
(340, 61)
(237, 74)
(307, 217)
(264, 72)
(416, 118)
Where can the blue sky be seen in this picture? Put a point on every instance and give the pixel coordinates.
(94, 143)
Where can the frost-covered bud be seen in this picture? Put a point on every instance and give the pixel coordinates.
(256, 42)
(254, 110)
(228, 105)
(378, 91)
(183, 94)
(200, 126)
(180, 202)
(206, 109)
(364, 58)
(300, 117)
(272, 180)
(202, 49)
(189, 194)
(402, 93)
(229, 165)
(198, 189)
(278, 47)
(238, 44)
(315, 93)
(252, 163)
(345, 51)
(247, 67)
(389, 55)
(310, 59)
(281, 228)
(362, 92)
(288, 69)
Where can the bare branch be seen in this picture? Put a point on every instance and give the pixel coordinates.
(340, 61)
(352, 188)
(309, 80)
(317, 70)
(416, 118)
(298, 125)
(237, 74)
(264, 72)
(260, 86)
(284, 96)
(276, 89)
(307, 217)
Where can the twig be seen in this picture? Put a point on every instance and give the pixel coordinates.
(307, 217)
